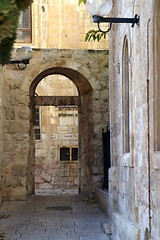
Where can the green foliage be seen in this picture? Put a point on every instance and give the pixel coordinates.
(23, 4)
(9, 14)
(6, 46)
(95, 35)
(9, 17)
(82, 1)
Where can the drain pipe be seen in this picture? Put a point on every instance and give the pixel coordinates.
(148, 137)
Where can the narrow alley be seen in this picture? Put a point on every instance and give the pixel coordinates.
(55, 217)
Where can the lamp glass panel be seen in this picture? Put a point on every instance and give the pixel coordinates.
(25, 53)
(99, 7)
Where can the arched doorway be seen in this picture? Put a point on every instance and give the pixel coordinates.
(56, 138)
(83, 101)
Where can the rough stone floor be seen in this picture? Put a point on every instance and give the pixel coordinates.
(57, 217)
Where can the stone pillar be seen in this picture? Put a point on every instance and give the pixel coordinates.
(16, 135)
(85, 143)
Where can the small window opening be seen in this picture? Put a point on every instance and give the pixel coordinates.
(68, 154)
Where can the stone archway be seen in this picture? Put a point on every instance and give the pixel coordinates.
(88, 71)
(84, 103)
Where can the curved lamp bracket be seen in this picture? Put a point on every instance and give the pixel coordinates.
(109, 28)
(22, 65)
(98, 20)
(25, 54)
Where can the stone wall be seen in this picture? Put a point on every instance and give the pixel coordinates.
(132, 193)
(88, 71)
(62, 25)
(58, 129)
(1, 129)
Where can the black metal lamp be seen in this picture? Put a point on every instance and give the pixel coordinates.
(25, 54)
(100, 8)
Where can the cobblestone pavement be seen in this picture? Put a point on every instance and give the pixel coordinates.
(56, 217)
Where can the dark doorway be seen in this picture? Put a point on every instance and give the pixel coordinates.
(106, 156)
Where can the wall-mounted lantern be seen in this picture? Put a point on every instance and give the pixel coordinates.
(24, 54)
(100, 8)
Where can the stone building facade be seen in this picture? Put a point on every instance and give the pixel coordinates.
(20, 98)
(57, 36)
(58, 25)
(134, 190)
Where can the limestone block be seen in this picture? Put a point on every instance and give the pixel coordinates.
(20, 98)
(17, 126)
(97, 95)
(66, 121)
(22, 113)
(22, 181)
(19, 170)
(97, 179)
(95, 170)
(45, 186)
(17, 193)
(62, 129)
(124, 229)
(8, 158)
(10, 114)
(11, 181)
(107, 227)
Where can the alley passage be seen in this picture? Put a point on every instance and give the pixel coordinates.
(56, 217)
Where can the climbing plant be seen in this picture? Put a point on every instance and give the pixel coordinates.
(95, 35)
(9, 17)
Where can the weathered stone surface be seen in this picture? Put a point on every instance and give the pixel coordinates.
(133, 188)
(1, 129)
(18, 144)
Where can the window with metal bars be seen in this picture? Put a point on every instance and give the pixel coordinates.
(37, 128)
(69, 154)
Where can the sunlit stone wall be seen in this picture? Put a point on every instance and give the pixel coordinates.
(62, 25)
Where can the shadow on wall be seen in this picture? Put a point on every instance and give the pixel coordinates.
(146, 234)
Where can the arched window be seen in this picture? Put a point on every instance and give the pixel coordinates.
(125, 98)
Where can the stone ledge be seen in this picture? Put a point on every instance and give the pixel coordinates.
(102, 197)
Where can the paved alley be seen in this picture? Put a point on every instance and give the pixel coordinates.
(56, 217)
